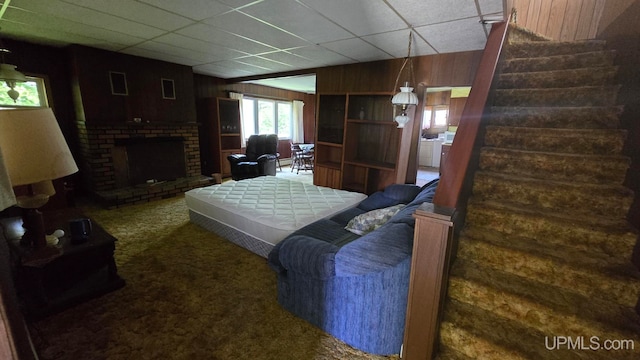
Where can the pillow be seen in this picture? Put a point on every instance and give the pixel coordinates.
(393, 194)
(369, 221)
(402, 192)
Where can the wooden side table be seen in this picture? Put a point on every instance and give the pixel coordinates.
(55, 278)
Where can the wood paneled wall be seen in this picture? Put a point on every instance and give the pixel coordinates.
(564, 20)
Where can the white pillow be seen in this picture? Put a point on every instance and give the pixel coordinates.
(369, 221)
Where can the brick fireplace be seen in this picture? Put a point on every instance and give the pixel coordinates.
(130, 163)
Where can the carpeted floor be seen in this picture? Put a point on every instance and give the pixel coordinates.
(189, 295)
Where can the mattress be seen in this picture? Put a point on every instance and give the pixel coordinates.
(268, 208)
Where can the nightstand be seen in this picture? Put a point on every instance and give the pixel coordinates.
(55, 278)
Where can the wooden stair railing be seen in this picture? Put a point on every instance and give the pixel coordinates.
(433, 237)
(454, 171)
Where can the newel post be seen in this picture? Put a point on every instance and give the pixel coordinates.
(431, 255)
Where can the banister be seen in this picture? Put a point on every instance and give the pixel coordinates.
(454, 170)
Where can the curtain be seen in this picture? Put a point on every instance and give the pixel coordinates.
(298, 127)
(238, 96)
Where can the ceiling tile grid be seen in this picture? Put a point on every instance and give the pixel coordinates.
(244, 38)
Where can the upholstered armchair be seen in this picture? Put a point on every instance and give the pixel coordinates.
(259, 158)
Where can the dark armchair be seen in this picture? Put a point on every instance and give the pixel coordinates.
(259, 158)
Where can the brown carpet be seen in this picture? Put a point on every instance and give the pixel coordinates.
(189, 295)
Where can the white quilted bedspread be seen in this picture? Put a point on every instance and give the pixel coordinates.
(277, 204)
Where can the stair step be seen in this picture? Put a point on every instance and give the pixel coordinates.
(518, 34)
(522, 310)
(598, 169)
(587, 281)
(576, 96)
(551, 48)
(558, 78)
(614, 238)
(574, 141)
(558, 62)
(471, 282)
(580, 199)
(557, 117)
(463, 345)
(493, 337)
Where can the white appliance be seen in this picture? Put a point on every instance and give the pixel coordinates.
(448, 136)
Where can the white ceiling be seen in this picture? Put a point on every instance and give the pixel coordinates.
(243, 38)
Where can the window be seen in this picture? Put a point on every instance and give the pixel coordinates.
(435, 117)
(32, 94)
(264, 116)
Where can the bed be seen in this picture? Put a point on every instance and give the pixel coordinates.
(258, 213)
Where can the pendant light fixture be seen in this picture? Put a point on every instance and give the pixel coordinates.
(8, 72)
(406, 97)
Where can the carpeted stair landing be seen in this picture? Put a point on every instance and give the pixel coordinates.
(543, 269)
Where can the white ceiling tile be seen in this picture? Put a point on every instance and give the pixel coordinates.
(185, 42)
(361, 17)
(424, 12)
(268, 64)
(195, 57)
(357, 49)
(242, 67)
(193, 9)
(491, 6)
(319, 56)
(240, 3)
(63, 29)
(216, 36)
(468, 35)
(48, 36)
(248, 27)
(298, 19)
(396, 43)
(135, 11)
(57, 9)
(220, 70)
(295, 61)
(137, 51)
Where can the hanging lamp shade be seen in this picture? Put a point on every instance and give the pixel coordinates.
(9, 73)
(406, 96)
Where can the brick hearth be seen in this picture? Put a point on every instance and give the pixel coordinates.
(97, 142)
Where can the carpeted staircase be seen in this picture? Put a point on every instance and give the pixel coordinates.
(543, 269)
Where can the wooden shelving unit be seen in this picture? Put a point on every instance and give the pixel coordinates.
(357, 142)
(220, 134)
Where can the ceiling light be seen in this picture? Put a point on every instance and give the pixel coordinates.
(406, 97)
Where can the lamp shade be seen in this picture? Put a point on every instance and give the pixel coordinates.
(9, 73)
(7, 198)
(33, 146)
(406, 96)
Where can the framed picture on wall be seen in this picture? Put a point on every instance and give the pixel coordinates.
(168, 89)
(118, 82)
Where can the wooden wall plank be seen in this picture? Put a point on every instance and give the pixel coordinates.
(543, 17)
(557, 15)
(563, 20)
(586, 12)
(569, 26)
(595, 20)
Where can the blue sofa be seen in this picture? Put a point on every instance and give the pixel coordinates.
(353, 286)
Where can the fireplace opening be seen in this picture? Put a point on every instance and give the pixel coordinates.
(143, 160)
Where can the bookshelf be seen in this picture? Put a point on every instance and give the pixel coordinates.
(357, 142)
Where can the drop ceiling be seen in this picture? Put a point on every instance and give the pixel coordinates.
(249, 38)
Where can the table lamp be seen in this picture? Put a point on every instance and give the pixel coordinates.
(35, 153)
